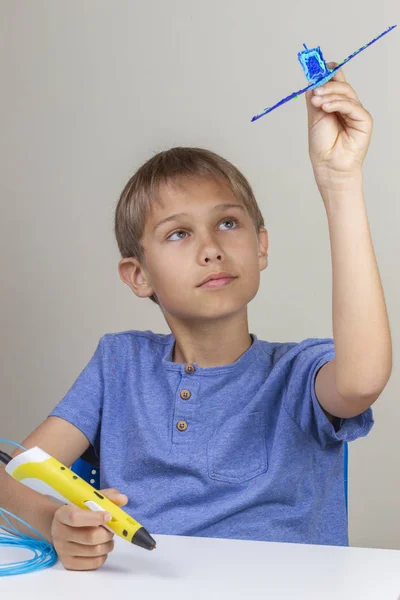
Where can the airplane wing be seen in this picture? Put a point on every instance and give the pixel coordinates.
(294, 95)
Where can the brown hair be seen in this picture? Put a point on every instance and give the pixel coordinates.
(142, 189)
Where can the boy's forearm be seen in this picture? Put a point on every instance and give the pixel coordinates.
(34, 508)
(360, 322)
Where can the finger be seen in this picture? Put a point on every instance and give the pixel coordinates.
(336, 87)
(84, 563)
(348, 108)
(115, 496)
(79, 517)
(339, 75)
(320, 100)
(90, 536)
(75, 549)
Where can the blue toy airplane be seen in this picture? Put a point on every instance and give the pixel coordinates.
(316, 70)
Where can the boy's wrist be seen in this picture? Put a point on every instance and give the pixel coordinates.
(44, 523)
(334, 184)
(48, 517)
(345, 196)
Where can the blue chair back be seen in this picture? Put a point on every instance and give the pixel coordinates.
(92, 474)
(87, 472)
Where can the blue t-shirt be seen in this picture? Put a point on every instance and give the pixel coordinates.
(240, 451)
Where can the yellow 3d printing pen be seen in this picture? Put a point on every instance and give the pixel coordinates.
(44, 474)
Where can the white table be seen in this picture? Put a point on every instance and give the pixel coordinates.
(208, 568)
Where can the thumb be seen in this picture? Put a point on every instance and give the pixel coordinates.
(115, 496)
(315, 113)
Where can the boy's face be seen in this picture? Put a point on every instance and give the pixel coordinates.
(180, 253)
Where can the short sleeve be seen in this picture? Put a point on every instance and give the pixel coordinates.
(82, 404)
(300, 400)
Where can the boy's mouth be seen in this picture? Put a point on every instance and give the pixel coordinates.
(217, 283)
(216, 277)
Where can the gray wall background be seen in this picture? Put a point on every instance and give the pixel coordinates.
(92, 89)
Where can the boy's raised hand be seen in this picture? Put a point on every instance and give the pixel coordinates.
(339, 131)
(78, 538)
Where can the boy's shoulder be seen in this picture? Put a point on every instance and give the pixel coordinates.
(309, 347)
(135, 335)
(133, 340)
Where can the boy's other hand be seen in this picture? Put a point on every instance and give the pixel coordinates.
(339, 131)
(78, 538)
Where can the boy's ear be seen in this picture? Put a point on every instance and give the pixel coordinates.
(263, 248)
(134, 275)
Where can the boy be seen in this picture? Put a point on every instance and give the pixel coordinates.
(208, 430)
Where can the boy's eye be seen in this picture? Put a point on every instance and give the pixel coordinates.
(182, 231)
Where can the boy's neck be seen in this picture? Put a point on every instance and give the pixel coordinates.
(208, 353)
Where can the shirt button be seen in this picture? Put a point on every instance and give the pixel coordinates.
(182, 425)
(185, 394)
(189, 368)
